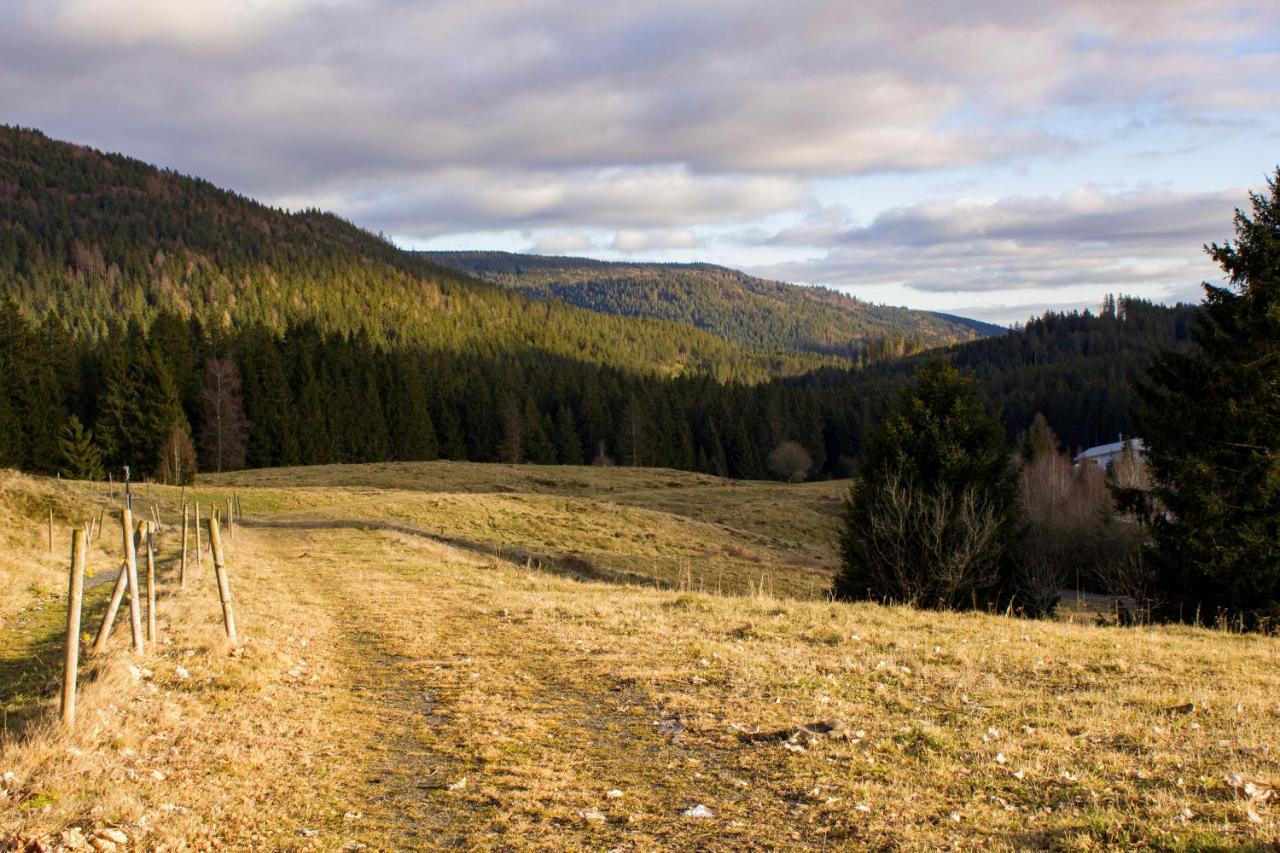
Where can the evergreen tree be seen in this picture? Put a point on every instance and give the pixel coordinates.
(567, 440)
(931, 520)
(538, 448)
(81, 459)
(1211, 420)
(1039, 440)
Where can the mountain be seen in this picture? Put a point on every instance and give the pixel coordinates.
(102, 240)
(750, 311)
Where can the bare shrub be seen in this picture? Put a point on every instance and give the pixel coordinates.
(789, 461)
(1066, 511)
(177, 462)
(602, 458)
(926, 549)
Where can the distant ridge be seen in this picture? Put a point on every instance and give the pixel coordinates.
(750, 311)
(98, 241)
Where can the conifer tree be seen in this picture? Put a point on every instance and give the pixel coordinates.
(80, 457)
(1211, 421)
(567, 441)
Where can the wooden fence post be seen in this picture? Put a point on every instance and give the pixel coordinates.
(135, 593)
(199, 554)
(151, 585)
(182, 566)
(224, 587)
(75, 594)
(155, 516)
(51, 529)
(231, 522)
(122, 580)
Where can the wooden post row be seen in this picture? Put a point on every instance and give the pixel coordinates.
(224, 586)
(75, 594)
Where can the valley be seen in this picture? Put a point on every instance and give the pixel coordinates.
(426, 662)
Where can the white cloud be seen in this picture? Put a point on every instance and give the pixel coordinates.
(561, 243)
(630, 240)
(638, 199)
(189, 23)
(1136, 239)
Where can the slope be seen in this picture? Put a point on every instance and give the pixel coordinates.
(751, 311)
(395, 692)
(101, 240)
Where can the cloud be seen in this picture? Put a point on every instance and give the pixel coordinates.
(287, 94)
(1086, 237)
(469, 199)
(192, 23)
(561, 243)
(629, 240)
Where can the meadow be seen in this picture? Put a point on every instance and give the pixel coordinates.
(519, 657)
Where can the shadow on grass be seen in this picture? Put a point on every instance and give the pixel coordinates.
(569, 565)
(31, 657)
(31, 667)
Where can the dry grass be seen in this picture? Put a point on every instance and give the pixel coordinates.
(401, 693)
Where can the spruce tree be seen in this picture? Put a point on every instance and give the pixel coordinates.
(80, 457)
(1211, 421)
(567, 441)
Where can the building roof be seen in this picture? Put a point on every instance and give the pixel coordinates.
(1111, 449)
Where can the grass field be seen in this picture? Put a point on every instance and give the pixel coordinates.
(490, 657)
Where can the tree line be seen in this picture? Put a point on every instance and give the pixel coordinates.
(254, 396)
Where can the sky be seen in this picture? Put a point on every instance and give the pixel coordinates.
(993, 159)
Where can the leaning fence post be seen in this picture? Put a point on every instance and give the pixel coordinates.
(117, 592)
(182, 566)
(155, 515)
(151, 585)
(75, 594)
(224, 587)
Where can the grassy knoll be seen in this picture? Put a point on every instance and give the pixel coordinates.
(401, 693)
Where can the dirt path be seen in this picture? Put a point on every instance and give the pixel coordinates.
(484, 726)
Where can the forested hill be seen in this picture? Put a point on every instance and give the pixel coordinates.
(101, 240)
(1076, 368)
(751, 311)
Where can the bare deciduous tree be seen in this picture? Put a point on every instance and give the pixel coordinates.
(1066, 510)
(790, 461)
(177, 462)
(226, 429)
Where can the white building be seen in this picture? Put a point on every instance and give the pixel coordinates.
(1104, 454)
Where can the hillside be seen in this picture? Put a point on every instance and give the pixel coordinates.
(751, 311)
(403, 688)
(101, 240)
(1077, 368)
